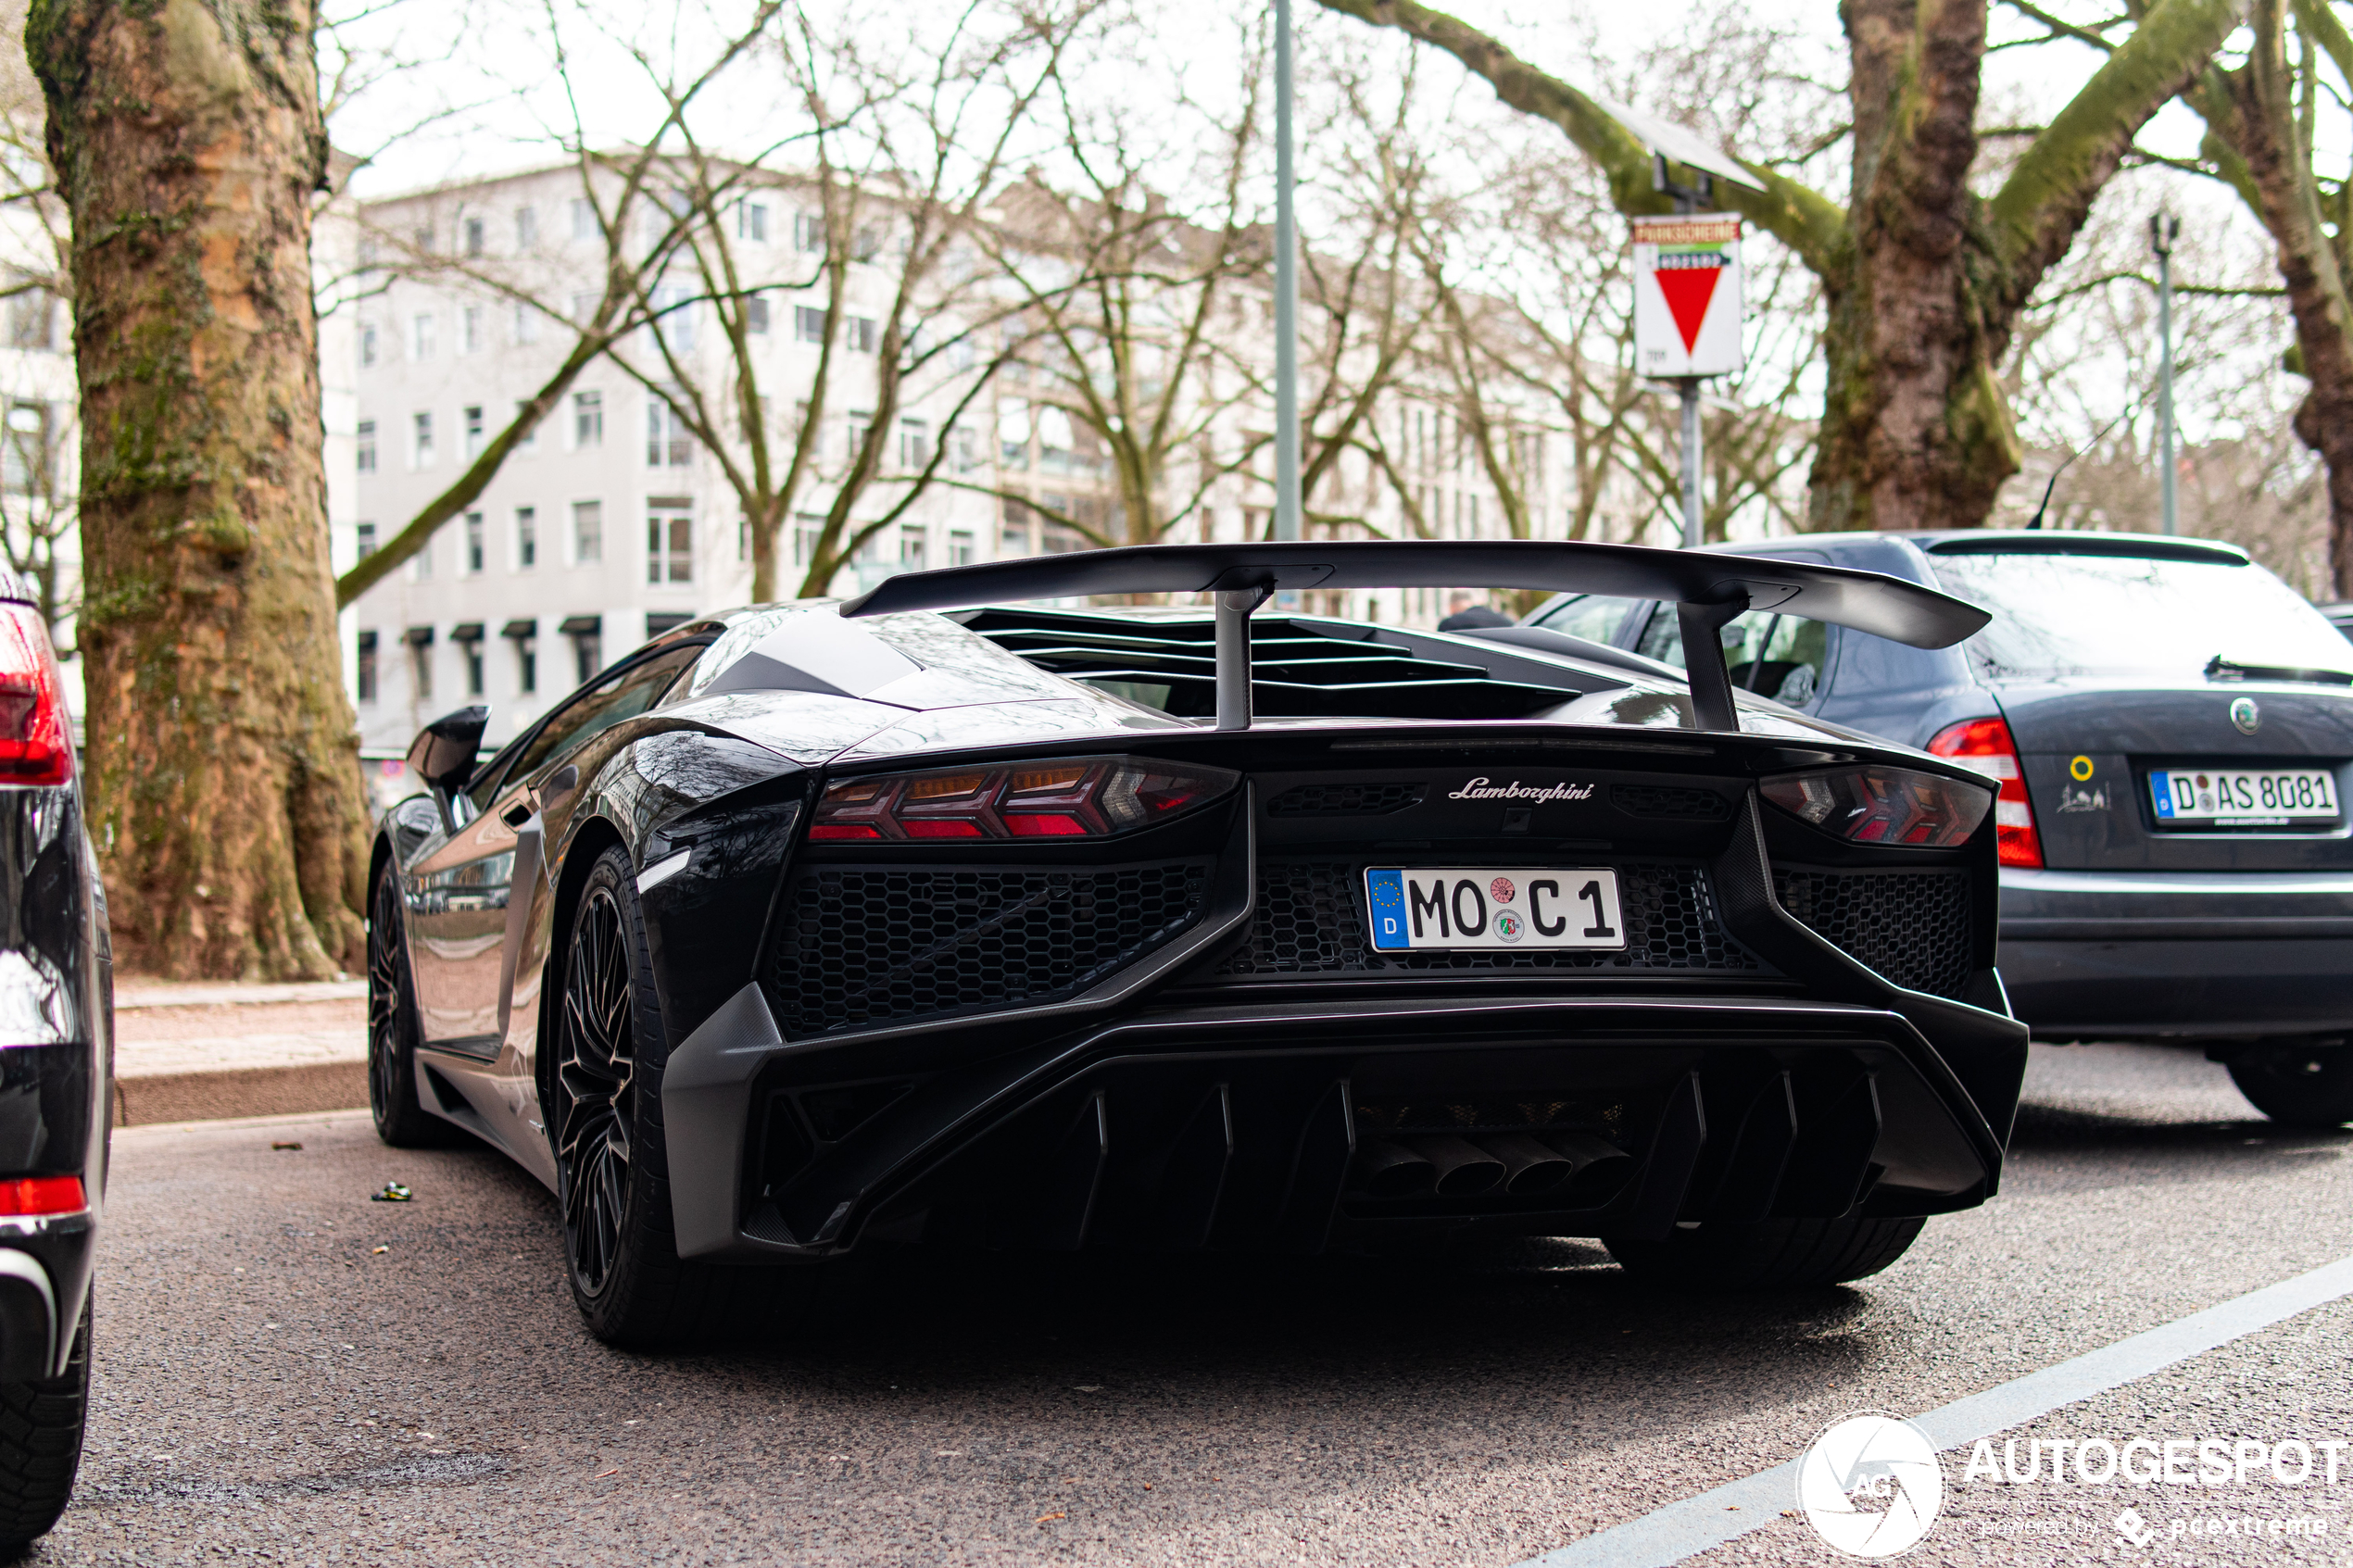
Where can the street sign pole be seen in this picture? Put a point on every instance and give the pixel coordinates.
(1693, 530)
(1687, 312)
(2163, 232)
(1286, 295)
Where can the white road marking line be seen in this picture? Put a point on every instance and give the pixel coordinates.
(1686, 1528)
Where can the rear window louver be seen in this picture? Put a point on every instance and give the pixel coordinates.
(1300, 668)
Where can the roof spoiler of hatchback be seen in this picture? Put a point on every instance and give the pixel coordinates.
(1708, 589)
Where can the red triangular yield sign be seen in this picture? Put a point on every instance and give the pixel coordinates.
(1687, 290)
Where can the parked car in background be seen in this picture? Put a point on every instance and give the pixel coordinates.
(56, 1062)
(2171, 727)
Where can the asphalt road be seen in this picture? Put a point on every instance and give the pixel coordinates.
(289, 1373)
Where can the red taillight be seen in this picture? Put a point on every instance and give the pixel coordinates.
(1986, 744)
(1882, 805)
(1081, 797)
(42, 1195)
(35, 747)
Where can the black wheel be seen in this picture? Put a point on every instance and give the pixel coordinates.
(391, 1029)
(2300, 1084)
(1769, 1255)
(41, 1445)
(611, 1163)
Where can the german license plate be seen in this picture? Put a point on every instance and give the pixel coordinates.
(2243, 797)
(1482, 907)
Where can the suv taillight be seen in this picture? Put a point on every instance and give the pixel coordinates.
(1062, 798)
(36, 745)
(1986, 744)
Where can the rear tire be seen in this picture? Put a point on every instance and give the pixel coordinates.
(2297, 1085)
(1768, 1255)
(611, 1159)
(41, 1425)
(401, 1120)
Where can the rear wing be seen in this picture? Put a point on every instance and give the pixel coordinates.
(1708, 590)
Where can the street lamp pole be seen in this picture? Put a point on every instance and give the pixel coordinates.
(2163, 232)
(1287, 496)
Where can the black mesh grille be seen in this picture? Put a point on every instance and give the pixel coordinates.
(872, 946)
(1311, 919)
(1669, 800)
(1912, 927)
(1344, 800)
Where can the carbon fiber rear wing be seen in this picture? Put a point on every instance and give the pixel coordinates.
(1708, 590)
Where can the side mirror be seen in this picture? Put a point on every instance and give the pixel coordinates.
(443, 754)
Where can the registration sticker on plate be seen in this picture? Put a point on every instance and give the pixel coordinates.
(2243, 797)
(1480, 906)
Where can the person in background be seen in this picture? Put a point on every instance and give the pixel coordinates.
(1464, 613)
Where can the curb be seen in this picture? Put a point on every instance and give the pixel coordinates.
(234, 1093)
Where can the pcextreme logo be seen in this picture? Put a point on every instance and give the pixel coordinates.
(1871, 1486)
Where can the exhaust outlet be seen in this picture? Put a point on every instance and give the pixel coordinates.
(1388, 1170)
(1597, 1165)
(1462, 1166)
(1528, 1166)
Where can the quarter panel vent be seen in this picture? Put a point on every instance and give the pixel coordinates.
(1910, 926)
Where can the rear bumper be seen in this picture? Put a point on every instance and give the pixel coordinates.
(2147, 955)
(1252, 1125)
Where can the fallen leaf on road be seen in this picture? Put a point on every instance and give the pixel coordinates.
(1043, 1517)
(1147, 1485)
(380, 1251)
(603, 1474)
(1087, 1387)
(392, 1193)
(285, 1145)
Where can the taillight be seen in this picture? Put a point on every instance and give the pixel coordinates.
(1986, 744)
(1080, 797)
(35, 746)
(1880, 805)
(42, 1195)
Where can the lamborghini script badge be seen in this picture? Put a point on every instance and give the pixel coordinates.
(1480, 789)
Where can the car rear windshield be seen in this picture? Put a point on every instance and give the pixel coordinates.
(2126, 615)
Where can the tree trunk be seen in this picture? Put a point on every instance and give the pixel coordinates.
(221, 766)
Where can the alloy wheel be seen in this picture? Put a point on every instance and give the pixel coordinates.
(386, 970)
(596, 1077)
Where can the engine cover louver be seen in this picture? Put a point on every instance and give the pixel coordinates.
(1345, 800)
(1299, 667)
(1911, 927)
(860, 947)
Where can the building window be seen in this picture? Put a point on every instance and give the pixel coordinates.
(808, 324)
(915, 442)
(960, 548)
(421, 451)
(471, 646)
(911, 541)
(1013, 434)
(674, 317)
(420, 564)
(367, 343)
(526, 226)
(584, 219)
(474, 236)
(965, 446)
(524, 635)
(1015, 538)
(470, 330)
(666, 442)
(420, 661)
(751, 221)
(526, 538)
(421, 239)
(366, 533)
(756, 314)
(422, 337)
(587, 532)
(363, 668)
(526, 324)
(530, 436)
(583, 307)
(809, 232)
(670, 541)
(586, 632)
(808, 533)
(860, 422)
(858, 335)
(473, 432)
(32, 319)
(588, 419)
(364, 449)
(474, 544)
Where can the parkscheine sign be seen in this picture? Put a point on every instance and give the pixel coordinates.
(1687, 294)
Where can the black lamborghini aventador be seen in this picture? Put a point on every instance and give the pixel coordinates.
(809, 929)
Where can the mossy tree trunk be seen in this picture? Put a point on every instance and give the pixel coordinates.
(1924, 277)
(221, 766)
